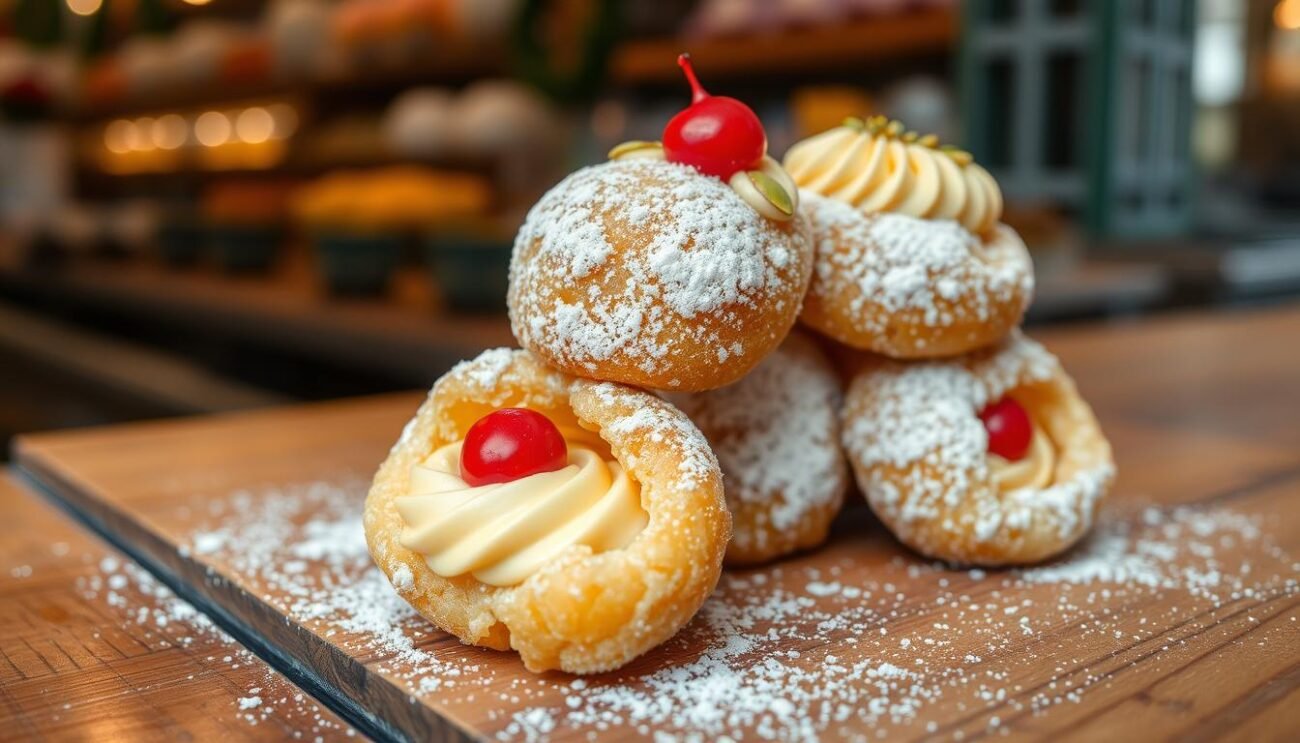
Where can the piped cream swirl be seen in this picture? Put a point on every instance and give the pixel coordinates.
(877, 167)
(1035, 470)
(503, 533)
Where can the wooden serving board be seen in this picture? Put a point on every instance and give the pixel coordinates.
(92, 648)
(1180, 616)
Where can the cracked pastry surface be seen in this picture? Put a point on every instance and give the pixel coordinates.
(648, 273)
(776, 435)
(585, 610)
(908, 287)
(919, 453)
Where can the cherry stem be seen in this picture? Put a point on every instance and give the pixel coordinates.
(698, 93)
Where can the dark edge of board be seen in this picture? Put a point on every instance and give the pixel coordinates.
(237, 612)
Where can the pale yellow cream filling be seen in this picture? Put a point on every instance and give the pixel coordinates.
(1035, 470)
(503, 533)
(877, 172)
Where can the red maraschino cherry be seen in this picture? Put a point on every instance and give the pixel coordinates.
(716, 135)
(511, 443)
(1009, 427)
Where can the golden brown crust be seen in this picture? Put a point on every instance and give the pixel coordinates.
(650, 274)
(912, 288)
(777, 437)
(584, 612)
(917, 448)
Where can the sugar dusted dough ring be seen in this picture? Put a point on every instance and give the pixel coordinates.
(917, 448)
(777, 437)
(582, 612)
(912, 288)
(648, 273)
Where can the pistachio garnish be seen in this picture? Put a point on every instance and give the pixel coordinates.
(637, 148)
(959, 156)
(879, 125)
(769, 189)
(772, 191)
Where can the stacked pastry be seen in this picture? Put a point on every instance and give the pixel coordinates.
(575, 500)
(968, 439)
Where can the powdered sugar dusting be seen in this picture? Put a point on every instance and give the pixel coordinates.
(664, 426)
(149, 610)
(902, 263)
(775, 433)
(693, 247)
(830, 647)
(919, 419)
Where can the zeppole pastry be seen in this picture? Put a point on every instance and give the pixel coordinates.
(580, 523)
(988, 459)
(674, 266)
(911, 260)
(777, 437)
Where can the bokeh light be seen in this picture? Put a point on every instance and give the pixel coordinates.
(1287, 15)
(254, 125)
(169, 132)
(212, 129)
(118, 136)
(85, 7)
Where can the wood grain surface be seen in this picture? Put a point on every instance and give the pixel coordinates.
(1179, 618)
(92, 648)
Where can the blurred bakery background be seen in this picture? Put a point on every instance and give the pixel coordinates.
(208, 205)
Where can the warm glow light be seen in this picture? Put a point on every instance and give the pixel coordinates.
(212, 129)
(169, 132)
(197, 2)
(254, 125)
(118, 136)
(1287, 15)
(141, 139)
(85, 7)
(286, 120)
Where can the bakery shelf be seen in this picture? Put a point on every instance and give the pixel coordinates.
(823, 47)
(404, 335)
(161, 381)
(451, 65)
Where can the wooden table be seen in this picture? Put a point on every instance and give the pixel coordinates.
(1180, 617)
(93, 648)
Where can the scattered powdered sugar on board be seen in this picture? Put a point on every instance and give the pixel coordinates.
(132, 596)
(839, 650)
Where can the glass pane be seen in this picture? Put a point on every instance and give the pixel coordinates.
(1064, 95)
(1136, 113)
(999, 135)
(1001, 11)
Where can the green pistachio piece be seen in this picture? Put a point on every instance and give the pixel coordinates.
(772, 191)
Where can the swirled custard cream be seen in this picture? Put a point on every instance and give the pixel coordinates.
(504, 532)
(1035, 470)
(876, 166)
